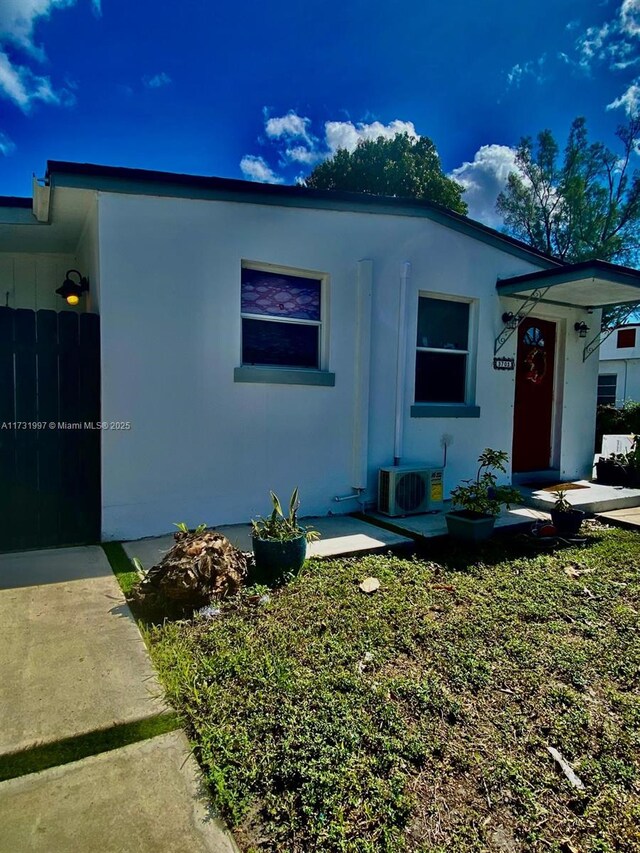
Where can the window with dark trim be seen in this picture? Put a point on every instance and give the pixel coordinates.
(607, 387)
(626, 338)
(281, 318)
(442, 350)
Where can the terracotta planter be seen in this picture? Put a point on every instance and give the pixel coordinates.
(470, 526)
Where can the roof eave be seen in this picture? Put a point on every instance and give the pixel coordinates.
(148, 182)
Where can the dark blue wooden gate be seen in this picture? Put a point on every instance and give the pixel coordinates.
(49, 428)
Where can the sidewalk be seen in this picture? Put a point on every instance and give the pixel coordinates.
(73, 664)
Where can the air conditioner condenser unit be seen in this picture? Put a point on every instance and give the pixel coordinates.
(409, 490)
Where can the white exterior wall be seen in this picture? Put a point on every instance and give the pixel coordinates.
(203, 448)
(625, 363)
(627, 372)
(88, 260)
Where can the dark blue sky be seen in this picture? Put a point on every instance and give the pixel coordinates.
(191, 86)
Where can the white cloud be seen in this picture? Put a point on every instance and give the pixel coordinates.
(289, 126)
(629, 100)
(483, 179)
(533, 68)
(258, 170)
(613, 41)
(18, 17)
(293, 141)
(345, 134)
(19, 82)
(23, 87)
(156, 81)
(300, 154)
(7, 146)
(630, 17)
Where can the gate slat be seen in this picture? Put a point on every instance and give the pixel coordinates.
(7, 435)
(90, 492)
(49, 502)
(25, 509)
(70, 438)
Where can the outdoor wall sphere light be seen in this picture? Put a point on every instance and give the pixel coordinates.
(581, 329)
(71, 290)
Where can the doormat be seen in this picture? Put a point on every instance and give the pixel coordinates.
(543, 486)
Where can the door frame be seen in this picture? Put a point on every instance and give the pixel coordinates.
(557, 392)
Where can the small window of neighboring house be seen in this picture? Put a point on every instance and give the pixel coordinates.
(607, 386)
(281, 318)
(443, 351)
(626, 338)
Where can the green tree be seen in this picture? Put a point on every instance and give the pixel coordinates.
(583, 205)
(400, 166)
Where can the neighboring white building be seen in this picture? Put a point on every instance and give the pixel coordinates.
(260, 337)
(619, 372)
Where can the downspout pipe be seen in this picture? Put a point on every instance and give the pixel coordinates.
(401, 364)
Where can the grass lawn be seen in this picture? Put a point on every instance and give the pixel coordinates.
(418, 718)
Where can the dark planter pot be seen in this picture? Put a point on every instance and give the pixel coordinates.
(633, 477)
(470, 526)
(611, 473)
(277, 560)
(567, 523)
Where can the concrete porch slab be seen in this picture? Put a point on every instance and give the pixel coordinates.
(341, 536)
(147, 797)
(72, 659)
(593, 498)
(429, 526)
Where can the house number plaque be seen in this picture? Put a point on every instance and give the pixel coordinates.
(504, 364)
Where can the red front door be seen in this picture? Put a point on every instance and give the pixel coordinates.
(534, 395)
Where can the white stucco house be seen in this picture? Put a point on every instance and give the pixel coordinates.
(619, 373)
(257, 337)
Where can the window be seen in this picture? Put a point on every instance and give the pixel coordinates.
(626, 338)
(443, 352)
(281, 319)
(607, 387)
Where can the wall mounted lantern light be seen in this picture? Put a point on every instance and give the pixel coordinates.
(511, 320)
(71, 290)
(581, 329)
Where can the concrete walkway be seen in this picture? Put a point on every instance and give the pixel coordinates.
(629, 518)
(72, 662)
(72, 659)
(143, 798)
(340, 536)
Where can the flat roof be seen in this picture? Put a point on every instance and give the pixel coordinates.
(588, 284)
(62, 173)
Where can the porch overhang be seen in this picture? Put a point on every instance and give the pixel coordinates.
(588, 284)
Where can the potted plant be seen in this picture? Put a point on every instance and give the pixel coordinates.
(633, 464)
(280, 542)
(620, 469)
(480, 499)
(566, 519)
(612, 471)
